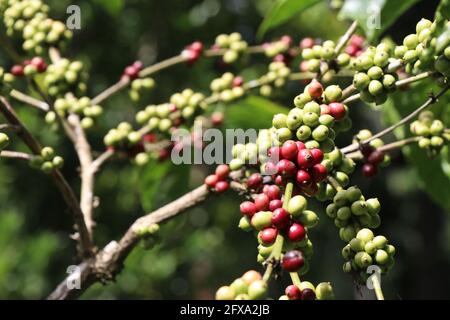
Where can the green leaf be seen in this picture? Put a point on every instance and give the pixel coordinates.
(433, 174)
(114, 7)
(252, 112)
(374, 16)
(282, 11)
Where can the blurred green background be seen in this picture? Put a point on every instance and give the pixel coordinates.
(203, 248)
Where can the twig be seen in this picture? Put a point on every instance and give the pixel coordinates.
(66, 191)
(15, 155)
(9, 127)
(98, 162)
(334, 183)
(433, 99)
(357, 155)
(22, 97)
(108, 262)
(344, 39)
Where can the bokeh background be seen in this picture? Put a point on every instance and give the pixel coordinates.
(203, 248)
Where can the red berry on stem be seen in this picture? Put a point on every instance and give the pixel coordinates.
(307, 43)
(39, 63)
(270, 168)
(287, 39)
(369, 170)
(222, 186)
(315, 89)
(237, 81)
(303, 178)
(280, 180)
(300, 145)
(254, 181)
(149, 137)
(17, 71)
(286, 168)
(138, 65)
(196, 46)
(131, 72)
(273, 192)
(274, 153)
(308, 294)
(357, 40)
(280, 218)
(296, 232)
(222, 171)
(289, 150)
(217, 118)
(305, 159)
(317, 155)
(248, 208)
(337, 110)
(275, 204)
(352, 50)
(319, 173)
(293, 292)
(376, 157)
(211, 180)
(366, 149)
(292, 260)
(262, 202)
(268, 235)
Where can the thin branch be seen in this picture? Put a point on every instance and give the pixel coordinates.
(109, 261)
(433, 99)
(63, 187)
(357, 155)
(15, 155)
(98, 162)
(4, 127)
(344, 39)
(22, 97)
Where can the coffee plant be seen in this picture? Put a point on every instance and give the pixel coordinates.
(292, 162)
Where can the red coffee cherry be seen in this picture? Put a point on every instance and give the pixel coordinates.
(366, 149)
(275, 204)
(211, 180)
(303, 178)
(308, 294)
(319, 173)
(286, 168)
(222, 186)
(325, 109)
(17, 70)
(254, 181)
(292, 260)
(237, 81)
(317, 155)
(289, 150)
(248, 208)
(300, 145)
(222, 171)
(280, 180)
(369, 170)
(273, 192)
(131, 72)
(268, 235)
(280, 218)
(296, 232)
(262, 202)
(315, 89)
(337, 110)
(307, 43)
(305, 159)
(293, 292)
(39, 63)
(376, 157)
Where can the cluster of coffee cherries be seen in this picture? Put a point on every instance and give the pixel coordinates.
(47, 161)
(373, 158)
(5, 81)
(233, 44)
(250, 286)
(432, 132)
(275, 48)
(373, 79)
(186, 104)
(193, 52)
(277, 76)
(305, 290)
(351, 210)
(80, 106)
(364, 250)
(419, 49)
(313, 53)
(29, 17)
(4, 140)
(218, 181)
(29, 67)
(149, 235)
(64, 76)
(139, 86)
(131, 72)
(228, 87)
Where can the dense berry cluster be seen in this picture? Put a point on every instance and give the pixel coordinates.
(355, 46)
(131, 72)
(279, 47)
(29, 67)
(140, 86)
(233, 44)
(80, 106)
(228, 87)
(373, 158)
(277, 76)
(47, 161)
(432, 132)
(193, 52)
(29, 19)
(64, 76)
(365, 249)
(305, 290)
(218, 181)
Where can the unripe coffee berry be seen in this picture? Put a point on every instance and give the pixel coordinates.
(257, 290)
(251, 276)
(225, 293)
(261, 220)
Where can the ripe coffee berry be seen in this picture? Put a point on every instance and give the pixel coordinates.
(366, 149)
(317, 155)
(222, 171)
(17, 71)
(303, 178)
(319, 173)
(280, 218)
(337, 110)
(39, 63)
(293, 292)
(237, 81)
(296, 232)
(254, 181)
(211, 180)
(305, 159)
(268, 235)
(222, 186)
(273, 192)
(315, 90)
(307, 43)
(289, 150)
(248, 208)
(308, 294)
(369, 170)
(286, 168)
(376, 157)
(275, 204)
(262, 202)
(292, 260)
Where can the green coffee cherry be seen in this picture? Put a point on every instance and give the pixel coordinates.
(225, 293)
(297, 205)
(381, 257)
(257, 290)
(363, 259)
(261, 220)
(380, 242)
(309, 219)
(324, 291)
(239, 286)
(4, 141)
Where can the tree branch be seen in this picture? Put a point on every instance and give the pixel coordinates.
(22, 97)
(15, 155)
